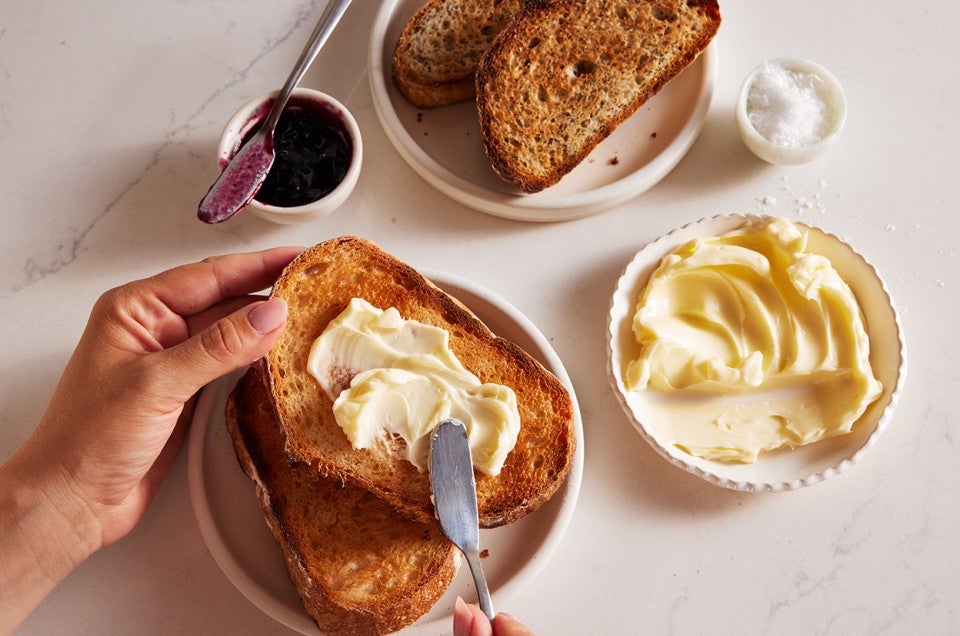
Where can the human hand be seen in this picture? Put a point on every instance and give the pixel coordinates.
(110, 429)
(118, 416)
(469, 620)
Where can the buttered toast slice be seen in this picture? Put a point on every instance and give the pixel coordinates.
(436, 55)
(564, 74)
(317, 286)
(359, 566)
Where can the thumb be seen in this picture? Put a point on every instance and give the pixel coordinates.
(231, 342)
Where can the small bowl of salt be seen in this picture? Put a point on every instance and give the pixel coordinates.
(790, 111)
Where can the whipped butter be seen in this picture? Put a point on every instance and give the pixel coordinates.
(751, 343)
(390, 376)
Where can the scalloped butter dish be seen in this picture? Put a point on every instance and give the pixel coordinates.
(654, 413)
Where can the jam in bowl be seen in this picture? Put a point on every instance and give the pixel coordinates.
(318, 153)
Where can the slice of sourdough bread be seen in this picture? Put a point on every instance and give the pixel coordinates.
(359, 566)
(317, 286)
(436, 55)
(564, 74)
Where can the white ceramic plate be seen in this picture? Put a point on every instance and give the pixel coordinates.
(785, 469)
(443, 144)
(233, 527)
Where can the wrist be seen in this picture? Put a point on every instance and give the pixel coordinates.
(46, 531)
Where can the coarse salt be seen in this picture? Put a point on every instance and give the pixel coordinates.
(786, 107)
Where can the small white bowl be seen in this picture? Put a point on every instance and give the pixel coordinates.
(828, 90)
(780, 470)
(249, 116)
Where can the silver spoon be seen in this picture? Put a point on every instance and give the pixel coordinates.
(246, 172)
(455, 498)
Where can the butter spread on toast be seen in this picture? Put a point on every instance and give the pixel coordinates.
(403, 381)
(317, 286)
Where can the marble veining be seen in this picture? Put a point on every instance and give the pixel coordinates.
(68, 248)
(108, 129)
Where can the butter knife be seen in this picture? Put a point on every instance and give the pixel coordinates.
(455, 498)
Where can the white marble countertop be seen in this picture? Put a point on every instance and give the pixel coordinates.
(109, 118)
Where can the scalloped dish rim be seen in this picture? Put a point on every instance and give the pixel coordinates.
(787, 469)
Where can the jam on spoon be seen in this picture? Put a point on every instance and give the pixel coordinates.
(244, 175)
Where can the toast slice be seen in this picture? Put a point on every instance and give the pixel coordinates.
(564, 74)
(436, 55)
(317, 286)
(359, 567)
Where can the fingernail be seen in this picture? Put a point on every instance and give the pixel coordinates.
(268, 315)
(462, 619)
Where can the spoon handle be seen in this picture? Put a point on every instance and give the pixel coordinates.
(328, 21)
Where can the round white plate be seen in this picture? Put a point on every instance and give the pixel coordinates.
(443, 144)
(233, 527)
(784, 469)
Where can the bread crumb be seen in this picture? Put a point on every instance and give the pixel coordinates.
(653, 135)
(484, 553)
(614, 161)
(419, 117)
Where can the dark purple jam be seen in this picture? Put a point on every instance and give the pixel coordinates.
(312, 155)
(236, 184)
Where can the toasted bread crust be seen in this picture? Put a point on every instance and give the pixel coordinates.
(436, 55)
(317, 286)
(564, 74)
(359, 567)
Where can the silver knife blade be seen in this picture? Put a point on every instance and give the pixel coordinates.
(455, 498)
